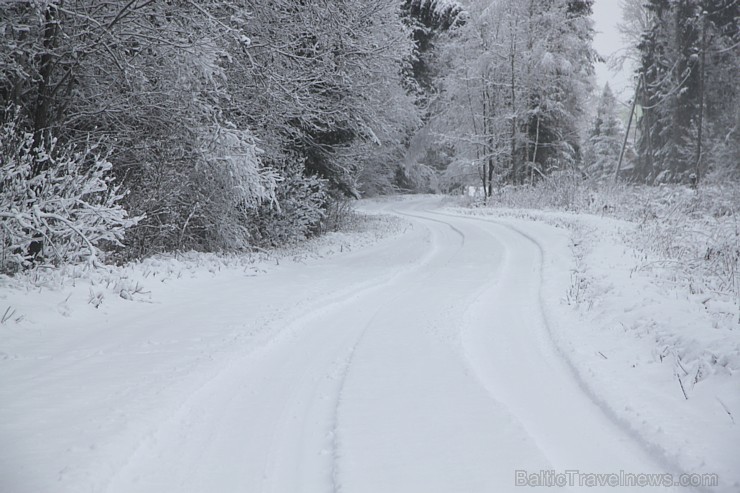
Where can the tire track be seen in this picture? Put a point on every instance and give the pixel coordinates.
(658, 456)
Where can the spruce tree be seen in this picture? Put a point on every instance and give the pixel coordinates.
(689, 90)
(605, 137)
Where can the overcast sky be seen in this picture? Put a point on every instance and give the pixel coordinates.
(607, 13)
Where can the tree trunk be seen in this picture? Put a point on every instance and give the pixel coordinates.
(702, 66)
(41, 120)
(534, 155)
(627, 132)
(514, 170)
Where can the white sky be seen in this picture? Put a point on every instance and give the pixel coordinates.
(607, 13)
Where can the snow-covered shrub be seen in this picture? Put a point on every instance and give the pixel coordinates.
(563, 190)
(57, 203)
(204, 200)
(339, 214)
(418, 177)
(297, 212)
(697, 232)
(228, 182)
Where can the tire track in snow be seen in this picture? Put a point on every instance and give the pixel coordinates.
(453, 228)
(412, 417)
(336, 485)
(170, 430)
(334, 433)
(657, 456)
(382, 299)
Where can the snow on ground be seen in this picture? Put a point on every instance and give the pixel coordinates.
(37, 298)
(87, 356)
(660, 360)
(432, 352)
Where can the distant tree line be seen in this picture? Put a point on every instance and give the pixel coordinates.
(512, 82)
(513, 101)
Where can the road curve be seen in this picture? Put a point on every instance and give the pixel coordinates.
(422, 364)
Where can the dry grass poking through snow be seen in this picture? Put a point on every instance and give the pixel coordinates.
(689, 237)
(73, 287)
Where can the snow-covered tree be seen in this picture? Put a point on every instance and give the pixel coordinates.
(146, 81)
(429, 19)
(561, 35)
(516, 79)
(636, 21)
(317, 78)
(688, 93)
(202, 106)
(605, 137)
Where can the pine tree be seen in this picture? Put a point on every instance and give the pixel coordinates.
(428, 20)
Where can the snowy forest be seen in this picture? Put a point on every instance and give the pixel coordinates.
(135, 127)
(369, 245)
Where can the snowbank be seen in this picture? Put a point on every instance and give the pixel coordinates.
(37, 300)
(661, 358)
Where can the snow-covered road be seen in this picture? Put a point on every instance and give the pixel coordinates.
(421, 364)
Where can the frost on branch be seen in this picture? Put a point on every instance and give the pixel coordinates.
(56, 203)
(298, 209)
(228, 184)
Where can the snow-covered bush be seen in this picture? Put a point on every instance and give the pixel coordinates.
(205, 202)
(563, 190)
(227, 183)
(339, 215)
(230, 183)
(180, 98)
(697, 232)
(57, 203)
(297, 212)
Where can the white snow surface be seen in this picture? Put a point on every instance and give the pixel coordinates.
(440, 354)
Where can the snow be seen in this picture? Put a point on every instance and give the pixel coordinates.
(431, 350)
(629, 338)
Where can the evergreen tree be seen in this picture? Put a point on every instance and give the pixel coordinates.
(428, 19)
(555, 107)
(604, 144)
(719, 62)
(688, 69)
